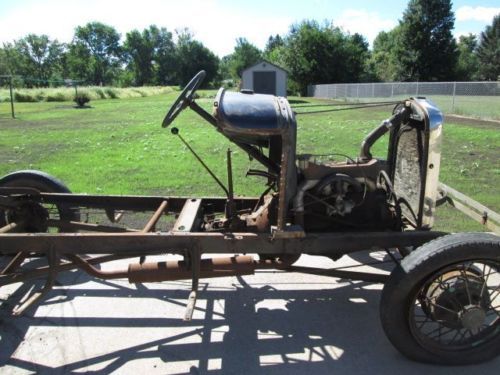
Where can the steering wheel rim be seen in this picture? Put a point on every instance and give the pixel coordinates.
(184, 98)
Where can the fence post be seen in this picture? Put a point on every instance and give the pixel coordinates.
(453, 97)
(373, 90)
(392, 90)
(357, 92)
(11, 98)
(417, 90)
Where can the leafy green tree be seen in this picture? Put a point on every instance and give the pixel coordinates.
(4, 70)
(150, 55)
(321, 54)
(357, 55)
(11, 60)
(165, 58)
(383, 64)
(275, 50)
(273, 42)
(139, 50)
(277, 56)
(97, 46)
(77, 63)
(193, 56)
(36, 57)
(225, 68)
(488, 51)
(245, 54)
(427, 50)
(468, 62)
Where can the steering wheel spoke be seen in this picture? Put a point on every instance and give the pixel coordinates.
(184, 99)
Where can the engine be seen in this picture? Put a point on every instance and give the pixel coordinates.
(342, 196)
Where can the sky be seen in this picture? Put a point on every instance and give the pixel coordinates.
(217, 23)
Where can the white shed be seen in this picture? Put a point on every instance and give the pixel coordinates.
(265, 78)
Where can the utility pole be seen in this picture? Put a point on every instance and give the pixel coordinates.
(11, 98)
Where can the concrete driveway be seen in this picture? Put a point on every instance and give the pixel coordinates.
(268, 323)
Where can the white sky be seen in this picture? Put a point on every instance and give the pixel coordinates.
(217, 23)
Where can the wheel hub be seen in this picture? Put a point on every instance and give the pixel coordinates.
(472, 317)
(457, 299)
(32, 216)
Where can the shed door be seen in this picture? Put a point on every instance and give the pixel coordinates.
(264, 82)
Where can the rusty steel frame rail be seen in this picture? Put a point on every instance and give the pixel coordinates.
(330, 244)
(138, 203)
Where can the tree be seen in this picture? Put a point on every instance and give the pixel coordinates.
(245, 54)
(274, 42)
(4, 65)
(150, 55)
(78, 63)
(427, 50)
(467, 63)
(275, 50)
(357, 55)
(320, 54)
(99, 45)
(35, 56)
(193, 56)
(11, 60)
(225, 68)
(165, 58)
(139, 50)
(383, 64)
(488, 51)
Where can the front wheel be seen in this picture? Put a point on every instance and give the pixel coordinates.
(442, 304)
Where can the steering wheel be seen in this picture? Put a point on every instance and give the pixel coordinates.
(184, 99)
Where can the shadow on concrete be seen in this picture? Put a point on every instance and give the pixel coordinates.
(318, 331)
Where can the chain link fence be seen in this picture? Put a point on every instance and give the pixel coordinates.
(471, 99)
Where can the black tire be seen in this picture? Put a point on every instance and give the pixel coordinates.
(42, 182)
(407, 293)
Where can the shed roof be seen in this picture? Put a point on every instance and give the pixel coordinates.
(267, 62)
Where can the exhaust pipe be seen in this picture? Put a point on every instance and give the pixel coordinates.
(179, 270)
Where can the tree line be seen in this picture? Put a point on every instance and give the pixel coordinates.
(98, 56)
(420, 48)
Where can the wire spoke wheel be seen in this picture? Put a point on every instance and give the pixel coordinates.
(442, 305)
(458, 307)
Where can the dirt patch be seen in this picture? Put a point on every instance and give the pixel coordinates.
(462, 120)
(23, 124)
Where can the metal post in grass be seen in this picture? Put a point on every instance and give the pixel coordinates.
(453, 97)
(11, 98)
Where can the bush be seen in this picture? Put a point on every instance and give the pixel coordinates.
(56, 97)
(81, 99)
(22, 97)
(112, 94)
(100, 93)
(141, 93)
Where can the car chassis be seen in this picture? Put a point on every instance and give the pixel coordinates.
(307, 207)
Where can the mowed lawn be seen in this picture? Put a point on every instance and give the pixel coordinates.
(118, 147)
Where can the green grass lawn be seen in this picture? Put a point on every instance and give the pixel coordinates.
(119, 147)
